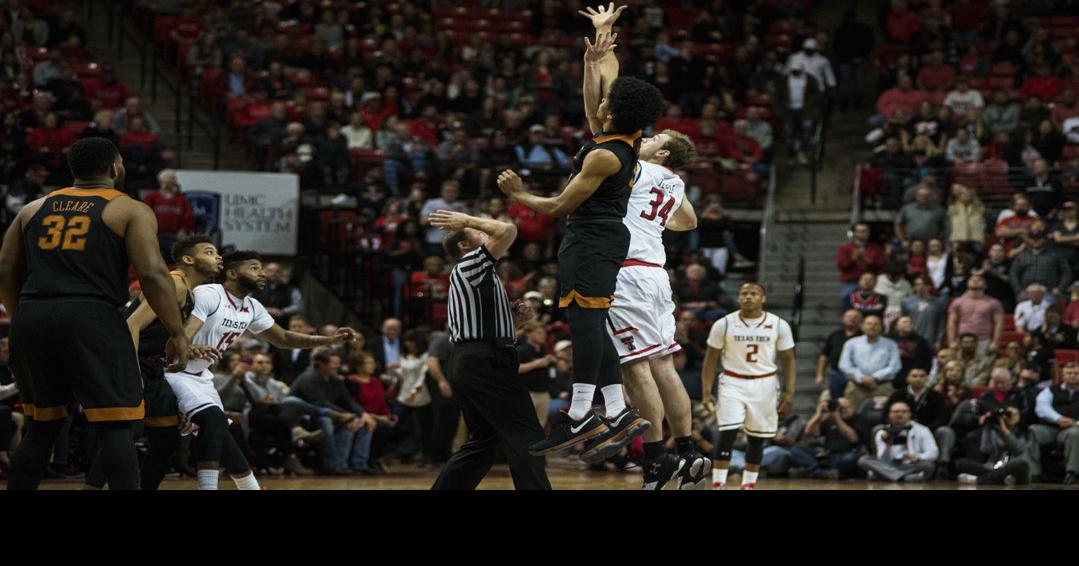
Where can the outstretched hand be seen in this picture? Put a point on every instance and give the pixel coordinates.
(594, 53)
(602, 17)
(345, 336)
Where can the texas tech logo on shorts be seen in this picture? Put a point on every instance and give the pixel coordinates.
(628, 341)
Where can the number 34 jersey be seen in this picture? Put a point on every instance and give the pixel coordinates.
(225, 318)
(657, 193)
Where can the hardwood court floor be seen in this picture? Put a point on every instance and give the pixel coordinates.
(410, 478)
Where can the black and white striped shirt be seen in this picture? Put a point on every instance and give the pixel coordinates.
(478, 308)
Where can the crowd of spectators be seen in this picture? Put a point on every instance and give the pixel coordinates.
(52, 92)
(957, 353)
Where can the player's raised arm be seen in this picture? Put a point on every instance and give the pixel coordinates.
(500, 234)
(13, 259)
(595, 83)
(598, 165)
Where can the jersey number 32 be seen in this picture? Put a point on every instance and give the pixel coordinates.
(71, 232)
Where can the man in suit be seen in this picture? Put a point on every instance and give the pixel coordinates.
(292, 362)
(387, 347)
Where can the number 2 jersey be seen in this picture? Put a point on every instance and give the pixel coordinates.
(657, 193)
(70, 252)
(225, 318)
(750, 346)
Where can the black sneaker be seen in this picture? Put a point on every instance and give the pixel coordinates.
(569, 433)
(621, 430)
(661, 471)
(697, 471)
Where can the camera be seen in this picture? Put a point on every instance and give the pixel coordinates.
(833, 404)
(897, 435)
(995, 417)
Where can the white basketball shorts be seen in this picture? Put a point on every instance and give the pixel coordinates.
(194, 392)
(641, 317)
(752, 403)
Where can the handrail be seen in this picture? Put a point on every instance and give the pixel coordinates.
(766, 221)
(856, 196)
(799, 298)
(816, 159)
(175, 85)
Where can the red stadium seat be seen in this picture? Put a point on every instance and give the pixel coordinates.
(1009, 323)
(1010, 336)
(87, 70)
(76, 127)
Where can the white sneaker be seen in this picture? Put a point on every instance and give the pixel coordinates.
(968, 478)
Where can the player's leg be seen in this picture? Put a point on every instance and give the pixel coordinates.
(659, 466)
(213, 430)
(39, 373)
(730, 416)
(116, 452)
(467, 467)
(164, 442)
(761, 423)
(679, 412)
(162, 425)
(236, 464)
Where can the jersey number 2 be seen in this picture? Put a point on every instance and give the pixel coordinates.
(751, 355)
(69, 231)
(656, 210)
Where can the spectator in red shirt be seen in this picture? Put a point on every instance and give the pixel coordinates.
(532, 226)
(746, 149)
(902, 23)
(857, 257)
(1013, 223)
(1043, 84)
(936, 76)
(107, 92)
(903, 97)
(426, 127)
(369, 391)
(175, 218)
(141, 149)
(429, 289)
(50, 141)
(713, 138)
(673, 120)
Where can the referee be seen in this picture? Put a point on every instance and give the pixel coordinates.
(483, 358)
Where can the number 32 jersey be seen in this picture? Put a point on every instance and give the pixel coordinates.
(225, 318)
(657, 193)
(750, 346)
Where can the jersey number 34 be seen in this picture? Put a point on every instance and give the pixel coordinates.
(656, 204)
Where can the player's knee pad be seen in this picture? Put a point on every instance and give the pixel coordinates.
(754, 450)
(726, 445)
(213, 427)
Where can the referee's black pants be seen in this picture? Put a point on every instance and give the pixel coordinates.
(499, 413)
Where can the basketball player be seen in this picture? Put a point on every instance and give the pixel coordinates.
(197, 262)
(592, 252)
(222, 314)
(63, 278)
(641, 319)
(748, 341)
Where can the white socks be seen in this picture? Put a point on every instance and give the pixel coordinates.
(247, 483)
(613, 401)
(208, 479)
(719, 475)
(749, 477)
(583, 393)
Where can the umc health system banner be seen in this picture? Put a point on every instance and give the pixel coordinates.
(253, 211)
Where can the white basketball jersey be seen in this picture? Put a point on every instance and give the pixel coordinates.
(750, 346)
(225, 318)
(657, 192)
